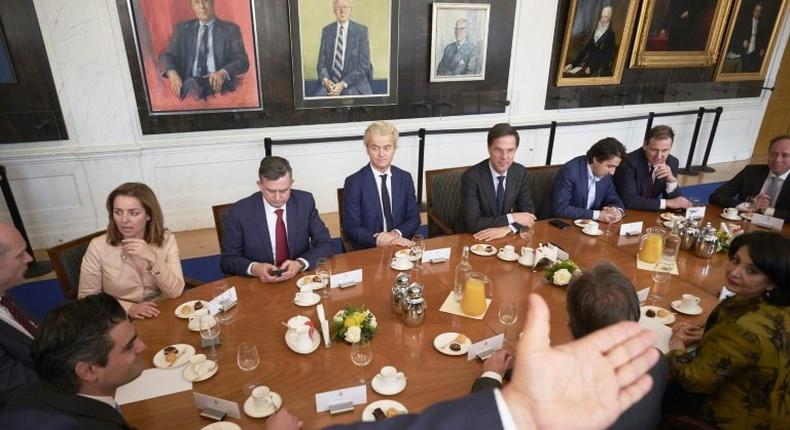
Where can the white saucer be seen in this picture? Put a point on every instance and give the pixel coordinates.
(190, 375)
(316, 342)
(667, 320)
(249, 407)
(406, 253)
(731, 218)
(191, 305)
(668, 224)
(480, 249)
(667, 216)
(442, 340)
(197, 327)
(512, 257)
(584, 223)
(222, 425)
(406, 267)
(523, 261)
(595, 233)
(310, 302)
(308, 280)
(378, 386)
(676, 306)
(367, 413)
(185, 352)
(746, 215)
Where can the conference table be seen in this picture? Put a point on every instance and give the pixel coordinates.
(431, 376)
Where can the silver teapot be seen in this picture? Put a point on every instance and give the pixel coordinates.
(688, 236)
(707, 243)
(402, 282)
(414, 306)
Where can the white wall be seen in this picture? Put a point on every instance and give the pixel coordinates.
(60, 186)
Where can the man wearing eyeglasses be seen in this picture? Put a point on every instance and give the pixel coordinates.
(344, 67)
(460, 57)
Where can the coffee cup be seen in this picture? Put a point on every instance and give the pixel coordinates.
(300, 338)
(400, 262)
(304, 296)
(731, 212)
(390, 376)
(689, 302)
(262, 398)
(527, 256)
(195, 318)
(200, 364)
(508, 250)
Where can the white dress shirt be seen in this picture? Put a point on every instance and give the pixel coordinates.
(671, 186)
(377, 177)
(271, 226)
(495, 177)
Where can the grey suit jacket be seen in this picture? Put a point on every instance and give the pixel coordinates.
(463, 61)
(357, 70)
(16, 366)
(479, 197)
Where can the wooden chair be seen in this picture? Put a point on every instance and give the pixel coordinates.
(219, 219)
(541, 186)
(443, 194)
(347, 247)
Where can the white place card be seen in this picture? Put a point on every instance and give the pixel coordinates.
(356, 395)
(203, 401)
(152, 383)
(229, 296)
(642, 294)
(767, 221)
(341, 279)
(725, 293)
(697, 212)
(556, 253)
(631, 229)
(492, 343)
(436, 254)
(662, 332)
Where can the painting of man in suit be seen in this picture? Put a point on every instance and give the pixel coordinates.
(681, 25)
(750, 37)
(344, 57)
(460, 38)
(460, 57)
(597, 55)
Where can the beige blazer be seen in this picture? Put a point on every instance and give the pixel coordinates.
(126, 277)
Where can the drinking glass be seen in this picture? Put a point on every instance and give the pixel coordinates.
(209, 330)
(324, 271)
(417, 248)
(361, 355)
(226, 312)
(748, 206)
(661, 275)
(525, 232)
(248, 359)
(508, 315)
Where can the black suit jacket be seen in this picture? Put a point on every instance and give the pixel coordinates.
(646, 413)
(39, 408)
(229, 53)
(479, 197)
(749, 182)
(16, 366)
(631, 179)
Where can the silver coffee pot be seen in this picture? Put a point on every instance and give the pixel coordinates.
(414, 306)
(402, 282)
(707, 243)
(688, 236)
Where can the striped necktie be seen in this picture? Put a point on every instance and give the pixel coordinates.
(337, 63)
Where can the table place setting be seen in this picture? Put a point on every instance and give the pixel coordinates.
(401, 263)
(389, 381)
(583, 223)
(658, 314)
(200, 368)
(451, 343)
(688, 304)
(406, 253)
(346, 279)
(173, 356)
(262, 402)
(483, 250)
(312, 282)
(342, 400)
(730, 214)
(186, 309)
(301, 335)
(306, 297)
(439, 255)
(507, 253)
(383, 409)
(197, 318)
(485, 348)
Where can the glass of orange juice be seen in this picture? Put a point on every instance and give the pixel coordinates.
(477, 289)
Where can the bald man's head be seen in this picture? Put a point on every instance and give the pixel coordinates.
(13, 257)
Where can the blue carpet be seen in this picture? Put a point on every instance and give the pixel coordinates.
(701, 191)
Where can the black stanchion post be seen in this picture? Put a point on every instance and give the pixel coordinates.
(704, 166)
(267, 146)
(550, 150)
(34, 268)
(687, 170)
(650, 117)
(420, 164)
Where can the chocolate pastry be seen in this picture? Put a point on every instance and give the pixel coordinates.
(455, 347)
(378, 414)
(198, 305)
(650, 313)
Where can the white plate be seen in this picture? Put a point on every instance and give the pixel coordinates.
(406, 253)
(196, 327)
(313, 347)
(596, 233)
(191, 305)
(367, 413)
(481, 249)
(249, 407)
(731, 218)
(185, 352)
(222, 425)
(445, 338)
(746, 215)
(668, 224)
(315, 298)
(409, 266)
(667, 320)
(378, 386)
(308, 280)
(676, 306)
(584, 223)
(512, 257)
(190, 375)
(667, 216)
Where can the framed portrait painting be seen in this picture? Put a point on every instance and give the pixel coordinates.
(751, 39)
(459, 41)
(596, 42)
(196, 56)
(679, 33)
(344, 53)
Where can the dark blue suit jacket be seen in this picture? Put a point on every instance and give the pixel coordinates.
(16, 366)
(362, 215)
(245, 237)
(229, 53)
(357, 69)
(479, 206)
(569, 199)
(631, 179)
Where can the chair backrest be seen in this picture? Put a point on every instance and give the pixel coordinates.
(347, 247)
(219, 212)
(66, 260)
(443, 193)
(541, 185)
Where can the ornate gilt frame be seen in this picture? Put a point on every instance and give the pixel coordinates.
(640, 57)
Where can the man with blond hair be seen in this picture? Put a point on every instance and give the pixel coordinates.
(379, 205)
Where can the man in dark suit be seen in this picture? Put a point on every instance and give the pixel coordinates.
(205, 56)
(255, 239)
(751, 39)
(16, 330)
(597, 55)
(379, 206)
(83, 352)
(495, 369)
(647, 181)
(584, 188)
(496, 200)
(460, 57)
(344, 56)
(681, 23)
(768, 184)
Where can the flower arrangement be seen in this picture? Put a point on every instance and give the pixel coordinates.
(561, 272)
(353, 324)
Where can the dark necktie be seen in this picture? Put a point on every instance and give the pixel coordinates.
(385, 202)
(648, 188)
(500, 195)
(202, 62)
(337, 63)
(281, 239)
(18, 315)
(773, 190)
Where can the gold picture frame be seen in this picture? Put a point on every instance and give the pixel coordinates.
(670, 35)
(591, 39)
(744, 59)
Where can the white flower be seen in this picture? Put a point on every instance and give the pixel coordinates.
(353, 334)
(339, 317)
(373, 323)
(561, 277)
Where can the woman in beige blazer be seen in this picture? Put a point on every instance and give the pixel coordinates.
(137, 260)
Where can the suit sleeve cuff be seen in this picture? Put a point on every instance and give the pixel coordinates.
(305, 262)
(769, 211)
(510, 219)
(249, 269)
(493, 375)
(398, 232)
(504, 413)
(671, 187)
(662, 204)
(596, 215)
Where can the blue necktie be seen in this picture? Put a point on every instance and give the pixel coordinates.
(500, 195)
(385, 203)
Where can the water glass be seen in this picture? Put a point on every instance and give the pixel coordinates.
(508, 315)
(525, 232)
(248, 359)
(210, 330)
(323, 269)
(417, 248)
(361, 356)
